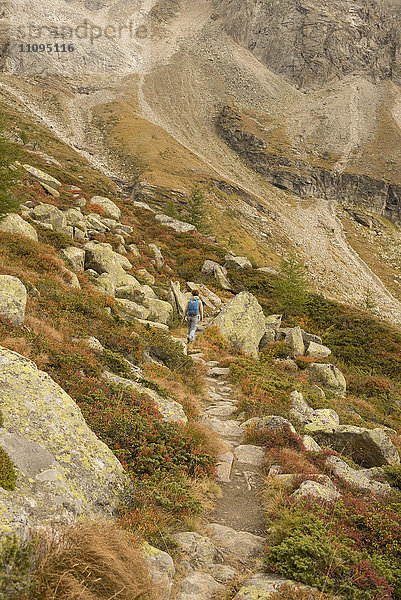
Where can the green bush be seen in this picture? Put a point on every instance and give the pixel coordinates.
(393, 475)
(16, 567)
(116, 363)
(9, 152)
(8, 476)
(290, 286)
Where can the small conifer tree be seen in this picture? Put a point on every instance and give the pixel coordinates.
(196, 210)
(290, 287)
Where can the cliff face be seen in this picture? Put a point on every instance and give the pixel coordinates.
(304, 179)
(310, 42)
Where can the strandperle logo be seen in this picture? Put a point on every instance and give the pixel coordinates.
(80, 38)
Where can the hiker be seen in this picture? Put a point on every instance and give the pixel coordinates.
(194, 313)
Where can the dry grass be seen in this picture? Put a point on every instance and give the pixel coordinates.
(40, 327)
(292, 592)
(174, 383)
(207, 440)
(291, 461)
(273, 495)
(92, 561)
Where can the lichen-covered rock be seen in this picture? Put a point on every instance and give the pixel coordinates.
(219, 273)
(356, 478)
(295, 339)
(14, 224)
(205, 294)
(75, 257)
(64, 470)
(310, 444)
(49, 215)
(160, 310)
(42, 176)
(145, 276)
(74, 216)
(129, 310)
(300, 409)
(178, 226)
(242, 323)
(199, 549)
(199, 586)
(102, 259)
(161, 567)
(272, 422)
(322, 418)
(237, 262)
(329, 376)
(268, 337)
(273, 322)
(261, 587)
(318, 350)
(171, 411)
(13, 297)
(157, 254)
(316, 490)
(177, 298)
(241, 544)
(110, 210)
(367, 447)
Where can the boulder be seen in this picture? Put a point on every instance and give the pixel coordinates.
(261, 587)
(13, 297)
(178, 226)
(42, 176)
(157, 254)
(317, 350)
(237, 262)
(145, 276)
(242, 323)
(206, 295)
(300, 409)
(74, 257)
(102, 259)
(135, 292)
(310, 337)
(63, 469)
(322, 418)
(161, 568)
(14, 224)
(223, 467)
(49, 215)
(241, 544)
(295, 340)
(316, 490)
(74, 216)
(171, 411)
(356, 478)
(95, 225)
(160, 310)
(273, 322)
(110, 210)
(222, 573)
(219, 273)
(152, 324)
(310, 444)
(200, 550)
(366, 447)
(250, 455)
(199, 586)
(268, 337)
(177, 298)
(129, 310)
(329, 376)
(133, 250)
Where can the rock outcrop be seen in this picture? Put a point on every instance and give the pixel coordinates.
(14, 224)
(63, 469)
(242, 323)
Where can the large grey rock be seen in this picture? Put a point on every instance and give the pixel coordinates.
(159, 310)
(317, 350)
(102, 259)
(272, 422)
(178, 226)
(356, 478)
(310, 444)
(13, 297)
(219, 273)
(74, 217)
(367, 447)
(42, 176)
(199, 549)
(110, 210)
(144, 275)
(241, 544)
(295, 339)
(14, 224)
(50, 215)
(161, 568)
(171, 411)
(129, 311)
(63, 469)
(261, 587)
(242, 323)
(199, 586)
(329, 376)
(177, 298)
(322, 418)
(273, 322)
(237, 262)
(316, 490)
(74, 257)
(158, 255)
(222, 573)
(300, 409)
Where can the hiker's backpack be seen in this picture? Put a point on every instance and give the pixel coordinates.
(193, 307)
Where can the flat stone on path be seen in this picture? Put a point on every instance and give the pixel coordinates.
(241, 544)
(199, 549)
(218, 372)
(250, 455)
(223, 468)
(224, 410)
(223, 428)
